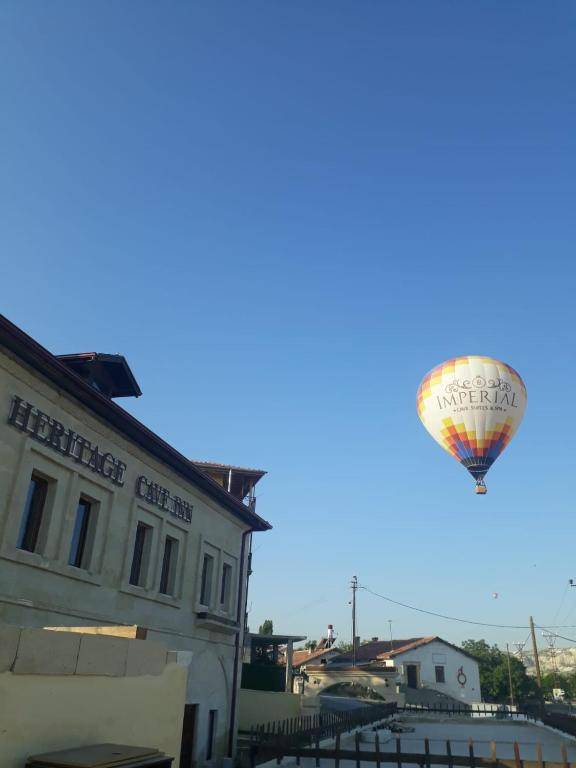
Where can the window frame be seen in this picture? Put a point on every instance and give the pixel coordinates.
(86, 536)
(440, 668)
(213, 559)
(225, 591)
(226, 559)
(144, 558)
(34, 519)
(211, 733)
(169, 571)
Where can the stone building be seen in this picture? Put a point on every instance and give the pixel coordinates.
(422, 665)
(104, 523)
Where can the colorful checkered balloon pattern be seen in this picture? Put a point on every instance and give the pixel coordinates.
(472, 406)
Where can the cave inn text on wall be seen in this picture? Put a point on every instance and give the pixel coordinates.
(46, 430)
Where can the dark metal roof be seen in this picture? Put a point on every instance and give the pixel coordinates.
(49, 366)
(110, 374)
(255, 638)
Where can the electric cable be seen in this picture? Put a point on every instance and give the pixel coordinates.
(567, 587)
(570, 639)
(462, 621)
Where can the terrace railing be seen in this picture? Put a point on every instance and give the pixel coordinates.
(301, 732)
(359, 753)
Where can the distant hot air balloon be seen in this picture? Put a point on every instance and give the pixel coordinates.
(472, 406)
(495, 595)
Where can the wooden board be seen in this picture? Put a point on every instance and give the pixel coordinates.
(94, 756)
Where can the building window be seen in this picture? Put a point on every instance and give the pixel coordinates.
(225, 587)
(33, 514)
(212, 722)
(141, 555)
(169, 560)
(79, 548)
(206, 584)
(440, 674)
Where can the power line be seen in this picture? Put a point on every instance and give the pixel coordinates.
(570, 639)
(462, 621)
(562, 601)
(571, 608)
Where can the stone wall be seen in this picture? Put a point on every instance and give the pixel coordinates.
(63, 689)
(260, 707)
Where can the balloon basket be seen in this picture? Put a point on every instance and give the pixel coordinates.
(481, 489)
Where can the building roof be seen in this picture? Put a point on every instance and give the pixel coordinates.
(378, 669)
(376, 649)
(224, 467)
(110, 374)
(425, 641)
(50, 367)
(305, 656)
(386, 649)
(254, 638)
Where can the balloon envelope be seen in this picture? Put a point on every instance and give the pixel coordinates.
(472, 406)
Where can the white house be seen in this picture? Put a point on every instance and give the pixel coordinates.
(423, 663)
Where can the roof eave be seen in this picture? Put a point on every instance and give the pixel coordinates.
(37, 356)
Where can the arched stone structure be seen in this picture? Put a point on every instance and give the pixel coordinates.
(381, 680)
(208, 683)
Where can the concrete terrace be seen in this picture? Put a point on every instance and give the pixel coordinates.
(482, 731)
(458, 730)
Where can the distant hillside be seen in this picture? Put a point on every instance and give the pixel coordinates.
(565, 660)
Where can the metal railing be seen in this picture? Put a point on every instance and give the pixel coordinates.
(363, 753)
(301, 732)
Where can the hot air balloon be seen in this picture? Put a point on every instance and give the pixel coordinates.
(472, 406)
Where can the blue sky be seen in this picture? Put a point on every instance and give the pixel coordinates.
(284, 214)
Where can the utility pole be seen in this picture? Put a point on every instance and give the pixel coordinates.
(510, 676)
(390, 625)
(551, 639)
(520, 646)
(537, 664)
(354, 586)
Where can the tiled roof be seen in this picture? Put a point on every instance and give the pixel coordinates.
(379, 649)
(303, 657)
(217, 465)
(384, 649)
(408, 647)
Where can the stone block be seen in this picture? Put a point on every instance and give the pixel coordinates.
(9, 639)
(101, 655)
(145, 658)
(46, 653)
(184, 658)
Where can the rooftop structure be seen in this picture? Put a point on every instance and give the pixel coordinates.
(239, 481)
(108, 374)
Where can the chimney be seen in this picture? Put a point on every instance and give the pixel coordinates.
(330, 636)
(374, 639)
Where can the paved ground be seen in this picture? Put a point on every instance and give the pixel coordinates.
(340, 703)
(482, 732)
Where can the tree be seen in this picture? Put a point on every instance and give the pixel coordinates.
(564, 680)
(267, 628)
(494, 673)
(311, 645)
(344, 647)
